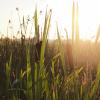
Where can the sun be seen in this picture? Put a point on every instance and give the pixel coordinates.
(89, 18)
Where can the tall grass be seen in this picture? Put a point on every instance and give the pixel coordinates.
(73, 21)
(51, 81)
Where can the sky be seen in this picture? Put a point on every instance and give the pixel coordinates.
(89, 16)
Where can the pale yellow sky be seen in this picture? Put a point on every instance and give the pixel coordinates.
(89, 16)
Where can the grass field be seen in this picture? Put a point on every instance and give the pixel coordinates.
(40, 69)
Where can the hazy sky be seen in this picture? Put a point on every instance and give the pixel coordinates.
(8, 11)
(89, 16)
